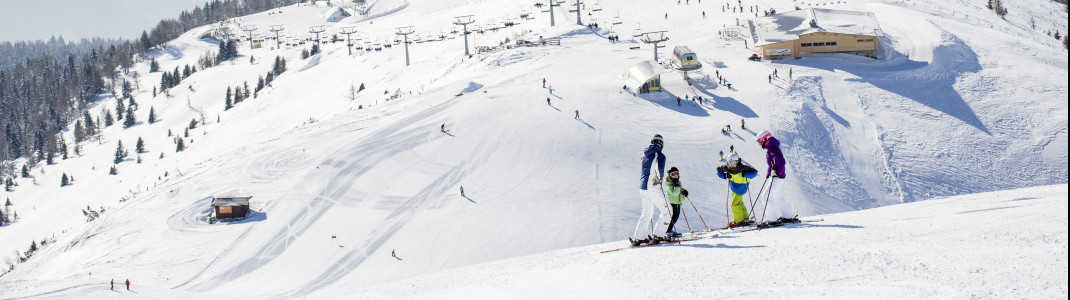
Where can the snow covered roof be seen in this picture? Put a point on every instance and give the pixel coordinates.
(790, 25)
(230, 201)
(336, 14)
(638, 74)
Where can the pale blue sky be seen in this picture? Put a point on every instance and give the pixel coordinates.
(77, 19)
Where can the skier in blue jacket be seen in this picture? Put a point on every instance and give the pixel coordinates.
(646, 226)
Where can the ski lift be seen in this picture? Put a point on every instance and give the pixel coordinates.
(637, 32)
(617, 20)
(597, 6)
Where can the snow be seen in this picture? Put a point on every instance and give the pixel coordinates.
(960, 103)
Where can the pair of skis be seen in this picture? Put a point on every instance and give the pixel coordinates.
(712, 233)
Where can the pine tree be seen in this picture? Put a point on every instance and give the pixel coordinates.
(130, 119)
(120, 153)
(140, 147)
(229, 104)
(25, 171)
(8, 186)
(280, 66)
(63, 147)
(113, 171)
(79, 131)
(181, 146)
(245, 91)
(108, 120)
(192, 124)
(65, 181)
(152, 115)
(8, 203)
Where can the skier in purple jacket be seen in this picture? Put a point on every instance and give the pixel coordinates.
(777, 209)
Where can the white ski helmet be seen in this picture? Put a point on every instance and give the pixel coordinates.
(734, 160)
(762, 136)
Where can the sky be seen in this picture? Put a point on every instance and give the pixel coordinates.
(77, 19)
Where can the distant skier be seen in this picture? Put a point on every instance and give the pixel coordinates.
(722, 155)
(776, 206)
(738, 176)
(544, 83)
(113, 284)
(443, 128)
(677, 100)
(462, 191)
(393, 254)
(645, 226)
(743, 124)
(548, 101)
(732, 149)
(128, 284)
(577, 114)
(675, 192)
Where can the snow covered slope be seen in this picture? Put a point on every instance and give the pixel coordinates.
(1003, 244)
(339, 182)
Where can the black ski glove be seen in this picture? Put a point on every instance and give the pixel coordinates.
(684, 192)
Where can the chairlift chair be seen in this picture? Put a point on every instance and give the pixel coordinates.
(597, 6)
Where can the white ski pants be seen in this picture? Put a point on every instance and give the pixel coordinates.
(653, 201)
(778, 207)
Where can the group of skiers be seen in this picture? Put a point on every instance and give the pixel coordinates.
(774, 209)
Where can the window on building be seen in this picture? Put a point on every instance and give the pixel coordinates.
(830, 44)
(806, 45)
(869, 40)
(819, 44)
(859, 41)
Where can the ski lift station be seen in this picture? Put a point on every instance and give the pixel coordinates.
(685, 59)
(815, 30)
(644, 77)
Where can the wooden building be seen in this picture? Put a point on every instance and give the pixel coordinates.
(230, 207)
(816, 30)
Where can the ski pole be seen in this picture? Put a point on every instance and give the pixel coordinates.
(685, 220)
(751, 196)
(758, 198)
(696, 211)
(727, 199)
(767, 198)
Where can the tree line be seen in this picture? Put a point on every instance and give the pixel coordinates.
(41, 95)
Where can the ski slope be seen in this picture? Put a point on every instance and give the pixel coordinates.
(340, 183)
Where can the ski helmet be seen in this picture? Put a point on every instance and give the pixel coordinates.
(657, 140)
(764, 135)
(673, 170)
(734, 160)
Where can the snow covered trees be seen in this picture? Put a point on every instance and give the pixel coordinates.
(152, 115)
(130, 120)
(120, 153)
(140, 147)
(997, 6)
